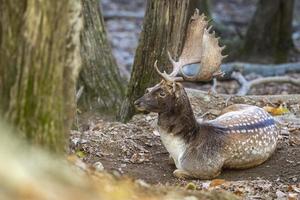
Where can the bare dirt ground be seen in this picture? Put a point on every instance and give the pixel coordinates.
(135, 150)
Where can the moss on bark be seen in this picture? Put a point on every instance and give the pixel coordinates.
(39, 63)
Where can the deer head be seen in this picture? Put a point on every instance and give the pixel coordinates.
(160, 98)
(201, 47)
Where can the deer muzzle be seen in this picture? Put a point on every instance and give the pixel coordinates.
(139, 105)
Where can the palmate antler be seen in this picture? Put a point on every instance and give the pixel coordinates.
(201, 47)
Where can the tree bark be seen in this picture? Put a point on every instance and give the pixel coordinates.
(39, 63)
(269, 36)
(99, 77)
(164, 30)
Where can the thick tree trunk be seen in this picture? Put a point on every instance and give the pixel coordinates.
(99, 77)
(39, 61)
(268, 38)
(164, 30)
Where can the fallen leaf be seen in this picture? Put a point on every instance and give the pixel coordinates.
(280, 194)
(294, 138)
(293, 196)
(72, 158)
(216, 182)
(80, 154)
(238, 192)
(190, 186)
(206, 185)
(98, 166)
(293, 188)
(276, 111)
(155, 132)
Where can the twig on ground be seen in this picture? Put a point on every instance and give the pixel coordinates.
(214, 86)
(227, 100)
(247, 85)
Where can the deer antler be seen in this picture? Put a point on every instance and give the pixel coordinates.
(201, 47)
(166, 76)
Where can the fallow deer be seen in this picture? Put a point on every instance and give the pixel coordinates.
(243, 136)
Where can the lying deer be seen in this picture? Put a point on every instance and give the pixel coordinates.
(243, 136)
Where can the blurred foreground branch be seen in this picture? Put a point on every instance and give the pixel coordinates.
(247, 85)
(39, 64)
(29, 173)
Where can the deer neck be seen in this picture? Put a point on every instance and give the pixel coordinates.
(179, 121)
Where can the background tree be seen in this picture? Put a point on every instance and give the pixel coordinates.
(39, 61)
(99, 77)
(269, 36)
(164, 29)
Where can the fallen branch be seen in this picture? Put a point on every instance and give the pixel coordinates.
(247, 85)
(260, 69)
(214, 86)
(203, 102)
(108, 15)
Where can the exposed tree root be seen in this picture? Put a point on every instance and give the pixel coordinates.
(247, 85)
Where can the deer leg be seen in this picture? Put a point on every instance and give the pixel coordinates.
(181, 174)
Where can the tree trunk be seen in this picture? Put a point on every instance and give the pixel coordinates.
(164, 30)
(39, 61)
(269, 37)
(99, 77)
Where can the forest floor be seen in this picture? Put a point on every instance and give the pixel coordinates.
(134, 149)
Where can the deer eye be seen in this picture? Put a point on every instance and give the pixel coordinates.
(162, 94)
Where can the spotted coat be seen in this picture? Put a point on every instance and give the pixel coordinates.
(252, 136)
